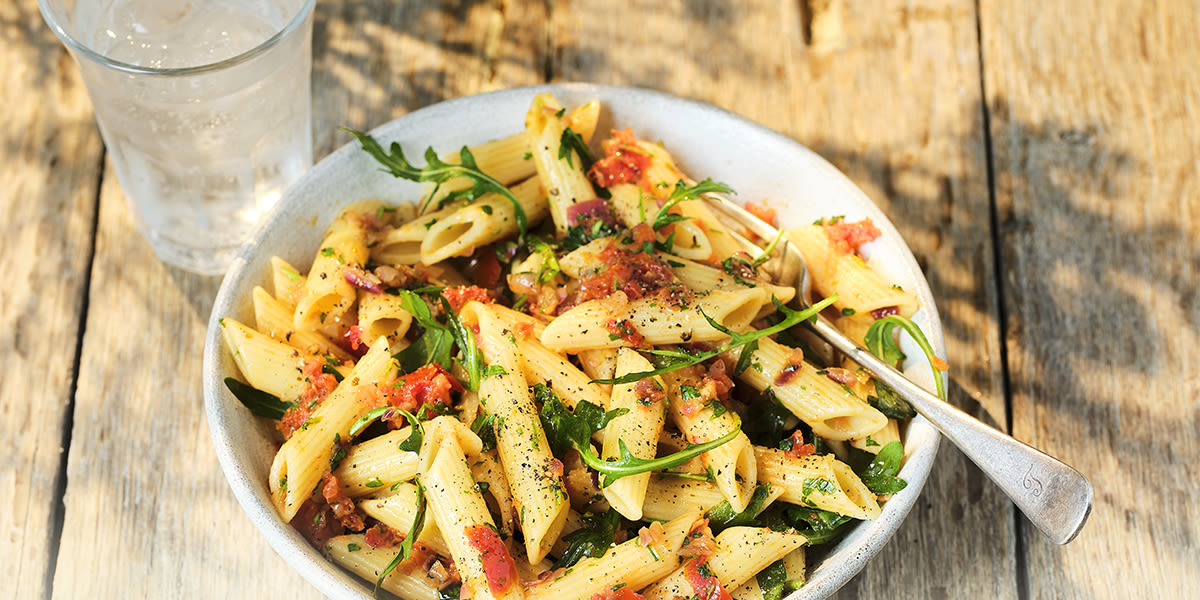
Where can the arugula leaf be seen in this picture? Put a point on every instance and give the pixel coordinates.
(573, 141)
(591, 540)
(550, 266)
(484, 427)
(451, 593)
(682, 193)
(891, 405)
(822, 526)
(722, 516)
(260, 403)
(672, 360)
(627, 464)
(414, 440)
(407, 545)
(772, 581)
(431, 347)
(472, 358)
(766, 421)
(766, 253)
(880, 475)
(339, 452)
(439, 172)
(565, 428)
(880, 342)
(745, 358)
(330, 367)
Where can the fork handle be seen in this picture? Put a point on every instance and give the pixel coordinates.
(1052, 495)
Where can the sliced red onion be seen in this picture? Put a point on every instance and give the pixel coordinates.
(596, 208)
(357, 278)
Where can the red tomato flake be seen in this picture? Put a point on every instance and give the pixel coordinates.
(704, 584)
(643, 233)
(354, 336)
(623, 161)
(621, 593)
(700, 542)
(430, 384)
(847, 237)
(498, 565)
(715, 384)
(799, 448)
(340, 503)
(648, 391)
(555, 469)
(636, 273)
(318, 386)
(625, 330)
(523, 329)
(380, 535)
(314, 520)
(886, 311)
(762, 211)
(459, 296)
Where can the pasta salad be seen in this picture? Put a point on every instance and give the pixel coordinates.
(559, 375)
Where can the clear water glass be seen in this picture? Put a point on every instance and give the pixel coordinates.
(205, 111)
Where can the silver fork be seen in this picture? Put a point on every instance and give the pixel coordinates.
(1055, 497)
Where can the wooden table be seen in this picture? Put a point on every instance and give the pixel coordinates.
(1040, 158)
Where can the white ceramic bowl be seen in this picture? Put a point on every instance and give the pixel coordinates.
(705, 140)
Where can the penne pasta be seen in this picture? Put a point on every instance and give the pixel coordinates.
(466, 355)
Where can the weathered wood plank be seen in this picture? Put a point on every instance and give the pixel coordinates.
(896, 104)
(148, 511)
(49, 168)
(1094, 128)
(375, 60)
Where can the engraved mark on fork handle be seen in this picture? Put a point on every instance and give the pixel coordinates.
(1030, 482)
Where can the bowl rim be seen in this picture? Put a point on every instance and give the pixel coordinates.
(921, 439)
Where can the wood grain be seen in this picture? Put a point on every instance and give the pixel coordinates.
(148, 511)
(897, 107)
(1094, 135)
(49, 154)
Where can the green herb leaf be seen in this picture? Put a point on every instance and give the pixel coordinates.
(766, 421)
(682, 193)
(880, 342)
(329, 368)
(339, 452)
(451, 593)
(591, 540)
(472, 358)
(431, 347)
(772, 581)
(673, 360)
(819, 485)
(627, 464)
(483, 427)
(573, 141)
(550, 266)
(766, 253)
(414, 440)
(880, 475)
(407, 545)
(886, 401)
(439, 172)
(565, 428)
(260, 403)
(722, 516)
(581, 235)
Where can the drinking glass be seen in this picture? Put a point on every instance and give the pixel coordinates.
(204, 107)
